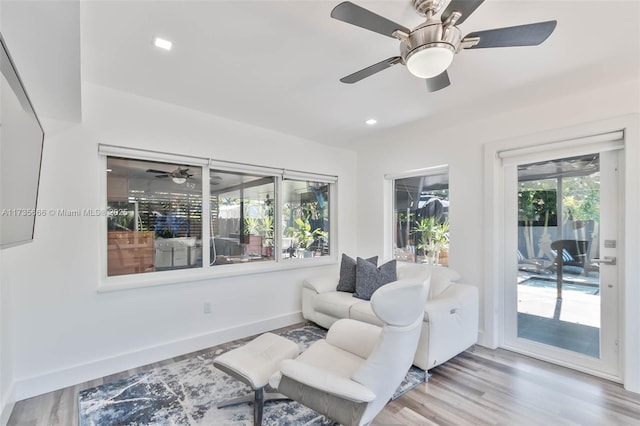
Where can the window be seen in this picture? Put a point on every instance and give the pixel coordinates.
(157, 221)
(305, 219)
(154, 216)
(242, 217)
(421, 217)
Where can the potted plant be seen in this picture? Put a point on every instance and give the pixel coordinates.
(252, 236)
(266, 229)
(303, 236)
(433, 237)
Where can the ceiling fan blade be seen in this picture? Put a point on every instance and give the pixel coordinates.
(366, 72)
(438, 82)
(521, 35)
(363, 18)
(465, 7)
(156, 171)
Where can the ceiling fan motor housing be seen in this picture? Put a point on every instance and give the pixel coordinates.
(428, 35)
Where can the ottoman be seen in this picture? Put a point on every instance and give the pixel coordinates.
(253, 364)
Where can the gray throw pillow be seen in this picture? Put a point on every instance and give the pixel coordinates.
(369, 278)
(347, 280)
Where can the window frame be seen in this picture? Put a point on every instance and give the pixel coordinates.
(206, 271)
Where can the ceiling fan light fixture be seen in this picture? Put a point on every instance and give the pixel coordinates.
(179, 180)
(430, 60)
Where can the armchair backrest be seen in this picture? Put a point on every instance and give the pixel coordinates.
(400, 306)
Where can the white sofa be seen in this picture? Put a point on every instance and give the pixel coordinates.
(450, 323)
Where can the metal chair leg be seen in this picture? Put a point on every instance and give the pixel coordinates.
(258, 405)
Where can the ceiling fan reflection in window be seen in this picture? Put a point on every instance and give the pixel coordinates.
(178, 175)
(428, 50)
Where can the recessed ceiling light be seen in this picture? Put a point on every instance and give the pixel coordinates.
(162, 43)
(371, 121)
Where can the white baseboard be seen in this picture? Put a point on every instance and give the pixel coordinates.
(7, 406)
(482, 340)
(37, 385)
(6, 413)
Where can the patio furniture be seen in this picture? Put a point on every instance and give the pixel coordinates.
(533, 264)
(570, 253)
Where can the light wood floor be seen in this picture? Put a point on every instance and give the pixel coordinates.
(478, 387)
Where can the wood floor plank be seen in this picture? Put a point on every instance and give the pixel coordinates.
(478, 387)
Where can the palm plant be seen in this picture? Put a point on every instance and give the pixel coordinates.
(266, 228)
(433, 237)
(302, 234)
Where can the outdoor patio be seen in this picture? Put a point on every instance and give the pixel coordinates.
(571, 323)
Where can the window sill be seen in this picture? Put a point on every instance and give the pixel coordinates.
(153, 279)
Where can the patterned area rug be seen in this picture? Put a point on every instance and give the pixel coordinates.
(186, 393)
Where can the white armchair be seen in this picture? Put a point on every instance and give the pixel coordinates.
(352, 374)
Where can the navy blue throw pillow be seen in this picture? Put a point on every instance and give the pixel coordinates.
(369, 278)
(348, 273)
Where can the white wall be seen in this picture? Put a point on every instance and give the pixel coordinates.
(5, 363)
(62, 331)
(5, 355)
(427, 143)
(44, 40)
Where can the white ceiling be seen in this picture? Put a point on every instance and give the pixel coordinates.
(276, 64)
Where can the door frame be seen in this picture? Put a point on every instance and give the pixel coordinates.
(629, 272)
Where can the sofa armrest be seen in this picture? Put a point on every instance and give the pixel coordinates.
(321, 283)
(451, 321)
(451, 301)
(324, 381)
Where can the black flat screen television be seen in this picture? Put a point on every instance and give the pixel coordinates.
(21, 142)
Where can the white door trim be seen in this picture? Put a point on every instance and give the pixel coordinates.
(493, 291)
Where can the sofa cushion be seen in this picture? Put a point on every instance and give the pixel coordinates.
(369, 278)
(362, 311)
(334, 303)
(347, 280)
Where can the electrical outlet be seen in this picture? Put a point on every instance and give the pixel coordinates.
(207, 307)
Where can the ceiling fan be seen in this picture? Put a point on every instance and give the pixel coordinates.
(178, 175)
(428, 50)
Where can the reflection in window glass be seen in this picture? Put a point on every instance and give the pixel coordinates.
(421, 218)
(242, 217)
(154, 216)
(156, 219)
(305, 219)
